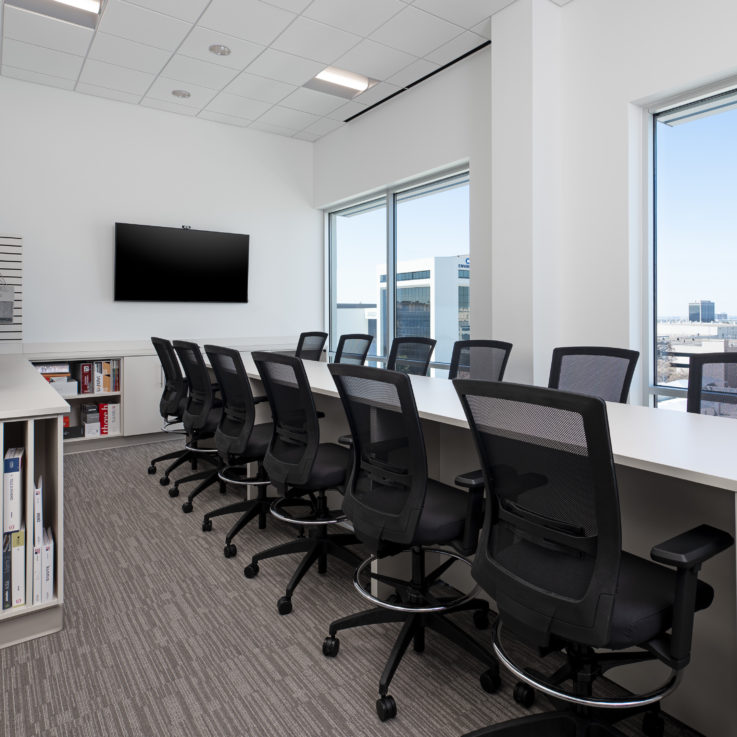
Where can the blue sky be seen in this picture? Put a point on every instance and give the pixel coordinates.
(697, 208)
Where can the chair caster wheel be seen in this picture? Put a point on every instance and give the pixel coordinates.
(151, 469)
(284, 605)
(251, 570)
(174, 491)
(330, 646)
(230, 550)
(481, 619)
(653, 724)
(386, 708)
(490, 680)
(164, 481)
(206, 525)
(187, 507)
(524, 695)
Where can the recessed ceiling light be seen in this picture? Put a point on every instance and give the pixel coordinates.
(80, 12)
(339, 82)
(181, 93)
(219, 50)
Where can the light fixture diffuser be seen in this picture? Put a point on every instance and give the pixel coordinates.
(79, 12)
(91, 6)
(340, 82)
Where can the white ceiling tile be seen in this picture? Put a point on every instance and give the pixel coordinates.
(416, 32)
(240, 107)
(356, 16)
(287, 118)
(117, 78)
(279, 130)
(125, 53)
(466, 13)
(483, 29)
(346, 111)
(374, 60)
(416, 70)
(162, 88)
(141, 25)
(259, 88)
(193, 71)
(285, 67)
(41, 30)
(309, 137)
(170, 107)
(311, 101)
(323, 126)
(251, 20)
(47, 79)
(221, 118)
(377, 92)
(314, 40)
(188, 10)
(294, 6)
(91, 89)
(460, 45)
(197, 45)
(38, 59)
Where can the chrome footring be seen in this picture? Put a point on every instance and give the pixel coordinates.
(413, 609)
(651, 697)
(276, 511)
(171, 427)
(200, 450)
(222, 475)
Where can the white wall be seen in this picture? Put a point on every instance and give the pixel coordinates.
(73, 165)
(440, 122)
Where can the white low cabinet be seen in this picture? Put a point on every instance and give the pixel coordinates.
(143, 383)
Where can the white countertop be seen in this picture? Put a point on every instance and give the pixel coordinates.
(24, 392)
(678, 444)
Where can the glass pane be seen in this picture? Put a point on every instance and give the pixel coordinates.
(433, 266)
(696, 262)
(359, 257)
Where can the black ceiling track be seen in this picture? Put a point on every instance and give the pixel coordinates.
(417, 81)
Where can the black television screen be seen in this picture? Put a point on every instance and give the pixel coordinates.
(154, 264)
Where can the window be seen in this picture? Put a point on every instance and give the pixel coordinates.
(695, 232)
(399, 265)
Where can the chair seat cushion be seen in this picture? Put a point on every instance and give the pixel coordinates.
(443, 515)
(643, 606)
(329, 469)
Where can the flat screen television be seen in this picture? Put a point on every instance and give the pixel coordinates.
(155, 264)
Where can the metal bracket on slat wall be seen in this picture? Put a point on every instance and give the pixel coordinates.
(11, 275)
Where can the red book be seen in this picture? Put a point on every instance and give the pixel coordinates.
(103, 418)
(85, 378)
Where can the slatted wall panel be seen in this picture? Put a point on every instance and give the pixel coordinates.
(11, 271)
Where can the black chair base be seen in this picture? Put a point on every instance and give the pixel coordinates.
(556, 724)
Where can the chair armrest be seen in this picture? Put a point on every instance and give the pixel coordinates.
(471, 480)
(260, 399)
(474, 520)
(692, 548)
(346, 440)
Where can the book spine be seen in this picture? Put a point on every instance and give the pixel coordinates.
(37, 575)
(12, 489)
(85, 383)
(97, 376)
(18, 573)
(7, 563)
(38, 526)
(113, 419)
(47, 563)
(52, 368)
(103, 406)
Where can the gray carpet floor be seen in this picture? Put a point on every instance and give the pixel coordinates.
(164, 637)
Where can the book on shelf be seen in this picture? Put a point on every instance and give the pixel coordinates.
(53, 378)
(37, 575)
(82, 372)
(89, 413)
(7, 563)
(38, 513)
(75, 431)
(66, 388)
(60, 367)
(103, 407)
(113, 419)
(12, 489)
(91, 429)
(47, 566)
(18, 566)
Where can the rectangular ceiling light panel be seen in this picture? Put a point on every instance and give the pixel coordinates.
(80, 12)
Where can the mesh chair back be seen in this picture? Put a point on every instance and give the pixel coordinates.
(296, 437)
(386, 489)
(712, 384)
(479, 359)
(353, 349)
(310, 346)
(175, 385)
(239, 410)
(201, 399)
(411, 355)
(550, 545)
(596, 371)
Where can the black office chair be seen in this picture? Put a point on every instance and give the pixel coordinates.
(594, 370)
(411, 355)
(550, 555)
(395, 507)
(479, 359)
(299, 466)
(353, 348)
(712, 384)
(239, 441)
(201, 417)
(310, 345)
(171, 406)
